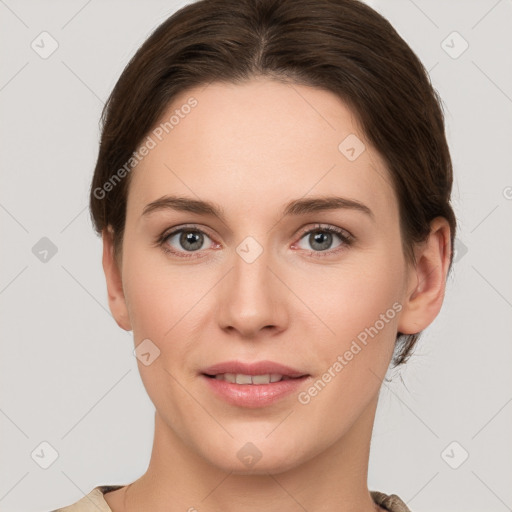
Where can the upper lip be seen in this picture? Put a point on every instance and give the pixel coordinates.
(256, 368)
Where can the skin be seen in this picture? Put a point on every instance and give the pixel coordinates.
(295, 304)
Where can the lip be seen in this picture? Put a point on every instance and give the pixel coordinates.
(253, 395)
(257, 368)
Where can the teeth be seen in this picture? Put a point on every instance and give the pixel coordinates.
(240, 378)
(243, 379)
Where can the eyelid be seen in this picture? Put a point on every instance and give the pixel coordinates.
(326, 227)
(182, 227)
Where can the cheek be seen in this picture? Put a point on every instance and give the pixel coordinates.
(158, 294)
(352, 297)
(161, 302)
(361, 305)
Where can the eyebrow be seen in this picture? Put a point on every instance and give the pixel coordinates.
(294, 208)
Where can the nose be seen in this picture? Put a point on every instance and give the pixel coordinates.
(252, 298)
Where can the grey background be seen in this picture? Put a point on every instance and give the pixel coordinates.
(68, 374)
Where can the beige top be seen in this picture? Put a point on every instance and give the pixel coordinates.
(94, 501)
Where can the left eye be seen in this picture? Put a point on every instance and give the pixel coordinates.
(321, 238)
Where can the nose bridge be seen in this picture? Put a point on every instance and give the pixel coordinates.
(251, 261)
(251, 298)
(251, 273)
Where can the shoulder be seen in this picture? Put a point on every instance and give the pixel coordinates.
(91, 502)
(390, 502)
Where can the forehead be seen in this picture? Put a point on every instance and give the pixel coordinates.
(241, 143)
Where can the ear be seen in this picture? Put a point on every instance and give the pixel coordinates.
(116, 299)
(427, 279)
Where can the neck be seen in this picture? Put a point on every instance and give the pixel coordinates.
(334, 480)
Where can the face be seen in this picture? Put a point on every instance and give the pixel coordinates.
(319, 290)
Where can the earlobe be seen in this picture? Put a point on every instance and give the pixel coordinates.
(427, 280)
(116, 298)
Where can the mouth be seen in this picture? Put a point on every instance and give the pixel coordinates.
(253, 385)
(260, 372)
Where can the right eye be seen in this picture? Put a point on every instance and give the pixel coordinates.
(185, 239)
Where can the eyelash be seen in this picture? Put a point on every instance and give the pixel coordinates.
(346, 238)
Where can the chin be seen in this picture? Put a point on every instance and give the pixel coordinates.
(264, 466)
(258, 457)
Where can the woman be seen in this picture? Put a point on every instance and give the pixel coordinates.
(273, 193)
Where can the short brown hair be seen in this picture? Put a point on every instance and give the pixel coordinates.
(342, 46)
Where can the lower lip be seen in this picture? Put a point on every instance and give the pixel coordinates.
(254, 395)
